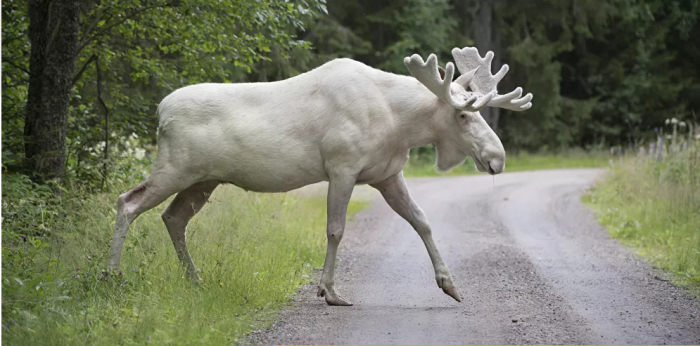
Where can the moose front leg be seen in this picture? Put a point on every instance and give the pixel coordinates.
(397, 196)
(339, 192)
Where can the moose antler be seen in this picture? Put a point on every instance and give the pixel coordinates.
(476, 72)
(427, 73)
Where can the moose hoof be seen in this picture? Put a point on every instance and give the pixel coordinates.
(196, 281)
(452, 292)
(332, 297)
(195, 278)
(445, 282)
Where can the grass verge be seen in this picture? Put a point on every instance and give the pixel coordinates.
(425, 166)
(253, 251)
(655, 208)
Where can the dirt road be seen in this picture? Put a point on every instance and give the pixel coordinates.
(530, 261)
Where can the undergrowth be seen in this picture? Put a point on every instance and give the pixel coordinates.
(654, 206)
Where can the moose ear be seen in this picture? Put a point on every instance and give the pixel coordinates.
(442, 72)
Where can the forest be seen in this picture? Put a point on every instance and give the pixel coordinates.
(81, 82)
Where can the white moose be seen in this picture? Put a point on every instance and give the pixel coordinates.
(343, 122)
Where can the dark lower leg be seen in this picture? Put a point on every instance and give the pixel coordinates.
(178, 214)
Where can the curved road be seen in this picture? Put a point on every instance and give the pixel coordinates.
(530, 261)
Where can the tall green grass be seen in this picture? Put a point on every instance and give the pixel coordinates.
(253, 251)
(424, 165)
(655, 207)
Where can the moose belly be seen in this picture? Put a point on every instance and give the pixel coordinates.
(382, 169)
(265, 181)
(269, 174)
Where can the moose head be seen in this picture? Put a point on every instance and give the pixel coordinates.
(473, 90)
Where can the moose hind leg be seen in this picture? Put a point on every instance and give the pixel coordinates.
(156, 189)
(179, 213)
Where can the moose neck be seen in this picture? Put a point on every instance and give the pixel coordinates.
(420, 117)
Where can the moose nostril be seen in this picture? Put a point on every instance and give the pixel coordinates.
(494, 166)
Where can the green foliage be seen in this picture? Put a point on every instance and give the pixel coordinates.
(28, 206)
(423, 27)
(15, 76)
(655, 207)
(128, 160)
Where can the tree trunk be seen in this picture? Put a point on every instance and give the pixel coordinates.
(53, 34)
(486, 38)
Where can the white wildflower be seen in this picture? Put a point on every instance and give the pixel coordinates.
(139, 153)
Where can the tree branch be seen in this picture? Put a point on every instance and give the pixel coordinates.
(89, 29)
(106, 114)
(82, 69)
(6, 61)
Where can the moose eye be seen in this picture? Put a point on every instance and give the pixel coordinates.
(463, 116)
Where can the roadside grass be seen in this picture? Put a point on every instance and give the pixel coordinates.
(253, 251)
(424, 166)
(655, 208)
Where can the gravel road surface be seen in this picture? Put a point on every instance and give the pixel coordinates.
(530, 261)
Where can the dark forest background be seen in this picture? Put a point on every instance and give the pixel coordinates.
(81, 80)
